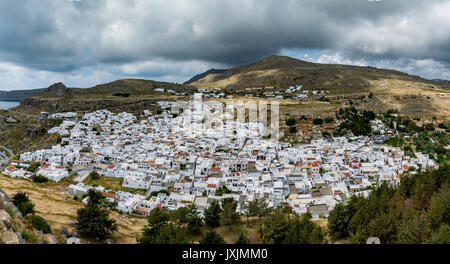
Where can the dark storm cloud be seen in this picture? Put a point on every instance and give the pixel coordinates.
(111, 35)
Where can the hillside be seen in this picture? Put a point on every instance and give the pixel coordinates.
(118, 94)
(280, 72)
(344, 84)
(203, 75)
(18, 95)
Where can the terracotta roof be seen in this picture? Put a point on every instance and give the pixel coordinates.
(11, 168)
(211, 186)
(215, 169)
(109, 195)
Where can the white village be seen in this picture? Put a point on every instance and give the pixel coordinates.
(160, 154)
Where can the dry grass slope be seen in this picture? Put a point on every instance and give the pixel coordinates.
(59, 209)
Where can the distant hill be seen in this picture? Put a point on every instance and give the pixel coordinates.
(121, 94)
(203, 75)
(341, 84)
(119, 88)
(17, 95)
(390, 89)
(280, 72)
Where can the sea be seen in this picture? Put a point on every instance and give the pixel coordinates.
(4, 105)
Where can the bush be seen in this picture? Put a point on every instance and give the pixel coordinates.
(40, 179)
(211, 238)
(39, 223)
(293, 129)
(329, 120)
(10, 212)
(318, 121)
(94, 175)
(30, 237)
(22, 202)
(291, 122)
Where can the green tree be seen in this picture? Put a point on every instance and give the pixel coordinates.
(160, 231)
(338, 220)
(212, 214)
(180, 215)
(229, 216)
(211, 238)
(303, 231)
(93, 220)
(194, 221)
(441, 236)
(439, 211)
(276, 227)
(94, 175)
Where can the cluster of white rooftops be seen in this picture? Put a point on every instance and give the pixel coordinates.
(159, 152)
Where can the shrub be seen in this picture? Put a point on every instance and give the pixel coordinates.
(212, 237)
(39, 223)
(293, 129)
(94, 175)
(329, 120)
(40, 179)
(291, 122)
(22, 202)
(318, 121)
(10, 212)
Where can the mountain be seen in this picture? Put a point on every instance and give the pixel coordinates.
(118, 94)
(280, 72)
(203, 75)
(18, 95)
(343, 84)
(120, 88)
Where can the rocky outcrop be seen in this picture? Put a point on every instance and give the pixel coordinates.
(57, 89)
(7, 235)
(5, 202)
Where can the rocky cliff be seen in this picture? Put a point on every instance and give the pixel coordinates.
(7, 232)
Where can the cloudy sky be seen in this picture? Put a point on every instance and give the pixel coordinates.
(86, 42)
